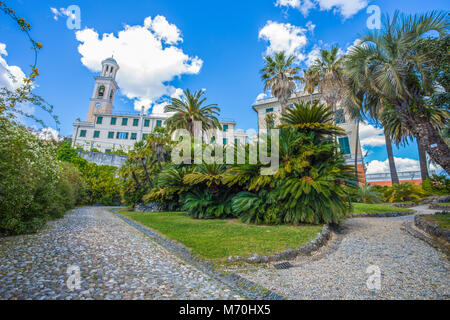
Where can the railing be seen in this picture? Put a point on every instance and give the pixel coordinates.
(407, 175)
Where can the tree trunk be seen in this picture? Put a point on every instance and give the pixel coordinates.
(422, 159)
(146, 173)
(392, 169)
(356, 149)
(136, 180)
(430, 137)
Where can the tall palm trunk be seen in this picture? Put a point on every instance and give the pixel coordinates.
(392, 169)
(356, 149)
(422, 159)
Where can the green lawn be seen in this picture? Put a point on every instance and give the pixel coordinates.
(218, 239)
(376, 208)
(442, 220)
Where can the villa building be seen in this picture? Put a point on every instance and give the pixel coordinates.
(107, 131)
(349, 144)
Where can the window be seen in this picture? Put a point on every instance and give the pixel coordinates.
(144, 136)
(133, 136)
(124, 121)
(111, 95)
(101, 91)
(213, 139)
(340, 118)
(225, 141)
(236, 141)
(147, 123)
(99, 120)
(96, 134)
(135, 122)
(113, 121)
(122, 135)
(83, 133)
(158, 123)
(108, 151)
(269, 110)
(110, 135)
(225, 127)
(345, 145)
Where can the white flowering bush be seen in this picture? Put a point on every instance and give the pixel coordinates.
(34, 185)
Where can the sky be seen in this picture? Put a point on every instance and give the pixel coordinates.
(165, 46)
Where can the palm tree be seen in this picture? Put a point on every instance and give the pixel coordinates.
(401, 135)
(311, 80)
(328, 72)
(387, 67)
(189, 110)
(279, 76)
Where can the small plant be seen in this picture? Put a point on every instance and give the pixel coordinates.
(404, 192)
(367, 194)
(439, 185)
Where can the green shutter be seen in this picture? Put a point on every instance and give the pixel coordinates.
(345, 145)
(111, 135)
(135, 122)
(225, 127)
(96, 134)
(158, 123)
(83, 133)
(113, 121)
(133, 136)
(99, 120)
(147, 123)
(124, 121)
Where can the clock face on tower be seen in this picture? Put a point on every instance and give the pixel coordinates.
(97, 105)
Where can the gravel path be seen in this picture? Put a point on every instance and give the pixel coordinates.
(410, 268)
(115, 262)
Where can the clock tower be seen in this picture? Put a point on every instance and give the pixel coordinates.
(104, 90)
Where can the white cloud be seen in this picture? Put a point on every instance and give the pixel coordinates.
(61, 12)
(371, 136)
(284, 37)
(310, 26)
(147, 55)
(401, 164)
(346, 8)
(261, 96)
(11, 77)
(313, 55)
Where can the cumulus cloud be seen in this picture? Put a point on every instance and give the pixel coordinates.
(261, 96)
(11, 77)
(402, 165)
(148, 56)
(49, 134)
(285, 37)
(371, 136)
(346, 8)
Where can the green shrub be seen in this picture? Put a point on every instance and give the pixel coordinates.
(367, 194)
(404, 192)
(439, 185)
(34, 185)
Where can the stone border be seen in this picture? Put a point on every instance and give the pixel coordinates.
(235, 282)
(381, 215)
(432, 228)
(290, 254)
(437, 206)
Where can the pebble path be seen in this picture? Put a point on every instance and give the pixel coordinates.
(115, 261)
(409, 267)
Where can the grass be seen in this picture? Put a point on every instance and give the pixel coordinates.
(442, 220)
(216, 240)
(359, 208)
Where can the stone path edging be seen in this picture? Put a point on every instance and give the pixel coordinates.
(380, 215)
(234, 281)
(431, 228)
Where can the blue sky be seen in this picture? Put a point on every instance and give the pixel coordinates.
(212, 45)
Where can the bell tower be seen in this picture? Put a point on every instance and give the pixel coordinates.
(104, 90)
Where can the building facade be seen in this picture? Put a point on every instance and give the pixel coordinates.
(107, 131)
(269, 110)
